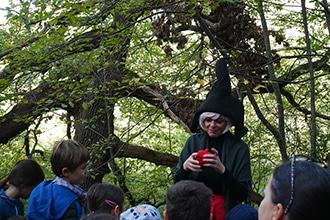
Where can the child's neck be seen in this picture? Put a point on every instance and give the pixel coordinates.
(12, 192)
(67, 179)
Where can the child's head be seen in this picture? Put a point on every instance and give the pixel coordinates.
(297, 190)
(16, 217)
(70, 157)
(103, 197)
(242, 211)
(188, 199)
(141, 212)
(98, 216)
(25, 175)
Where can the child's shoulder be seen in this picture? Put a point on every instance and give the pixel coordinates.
(53, 188)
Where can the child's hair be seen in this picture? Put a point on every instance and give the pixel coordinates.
(302, 187)
(242, 211)
(68, 153)
(25, 173)
(103, 197)
(188, 199)
(98, 216)
(15, 217)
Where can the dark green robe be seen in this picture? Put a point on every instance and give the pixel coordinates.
(235, 155)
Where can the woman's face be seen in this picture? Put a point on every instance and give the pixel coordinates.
(267, 209)
(215, 127)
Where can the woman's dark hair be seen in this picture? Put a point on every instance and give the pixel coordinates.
(303, 188)
(25, 173)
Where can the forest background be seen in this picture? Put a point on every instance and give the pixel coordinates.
(126, 77)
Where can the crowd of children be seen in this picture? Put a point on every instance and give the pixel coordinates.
(62, 198)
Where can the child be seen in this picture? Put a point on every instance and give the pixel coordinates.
(242, 211)
(297, 190)
(98, 216)
(24, 176)
(61, 198)
(188, 200)
(141, 212)
(106, 198)
(16, 217)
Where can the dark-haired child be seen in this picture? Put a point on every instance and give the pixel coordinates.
(61, 198)
(24, 176)
(106, 198)
(16, 217)
(188, 200)
(297, 190)
(98, 216)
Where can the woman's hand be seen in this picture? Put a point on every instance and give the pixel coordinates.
(213, 160)
(191, 164)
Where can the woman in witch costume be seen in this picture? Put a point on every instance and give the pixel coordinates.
(217, 157)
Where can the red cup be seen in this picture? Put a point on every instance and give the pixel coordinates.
(200, 155)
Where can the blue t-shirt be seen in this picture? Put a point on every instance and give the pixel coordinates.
(10, 207)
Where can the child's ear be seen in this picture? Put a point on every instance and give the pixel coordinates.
(278, 212)
(165, 214)
(116, 211)
(65, 172)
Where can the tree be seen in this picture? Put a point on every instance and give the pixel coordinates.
(90, 58)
